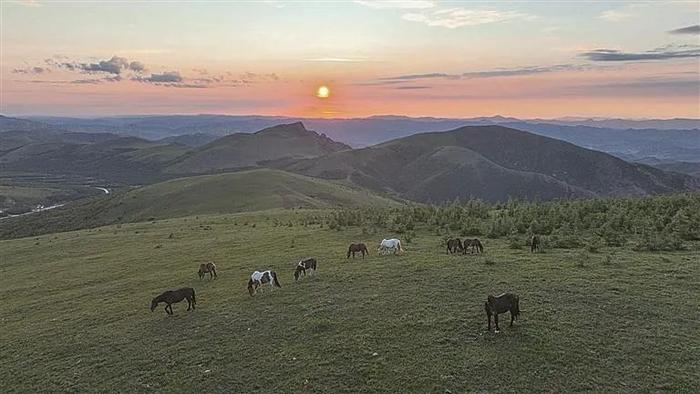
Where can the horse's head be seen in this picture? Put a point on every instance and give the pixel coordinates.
(297, 272)
(154, 304)
(251, 288)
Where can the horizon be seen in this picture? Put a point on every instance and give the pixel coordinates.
(415, 58)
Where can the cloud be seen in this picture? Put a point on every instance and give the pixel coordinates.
(499, 72)
(137, 66)
(336, 60)
(663, 53)
(453, 18)
(614, 15)
(115, 65)
(695, 29)
(642, 87)
(412, 87)
(166, 77)
(255, 77)
(31, 70)
(400, 4)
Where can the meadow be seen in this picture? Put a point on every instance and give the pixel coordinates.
(75, 313)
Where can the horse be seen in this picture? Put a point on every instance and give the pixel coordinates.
(207, 268)
(535, 244)
(305, 264)
(354, 248)
(258, 279)
(390, 244)
(454, 245)
(174, 296)
(506, 302)
(474, 244)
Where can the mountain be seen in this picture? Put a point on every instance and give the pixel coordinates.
(191, 140)
(252, 190)
(291, 141)
(492, 163)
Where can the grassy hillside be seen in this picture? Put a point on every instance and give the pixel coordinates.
(492, 163)
(75, 314)
(252, 190)
(247, 150)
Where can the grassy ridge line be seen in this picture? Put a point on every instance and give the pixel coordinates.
(625, 326)
(252, 190)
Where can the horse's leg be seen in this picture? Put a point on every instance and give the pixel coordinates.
(495, 320)
(511, 318)
(169, 309)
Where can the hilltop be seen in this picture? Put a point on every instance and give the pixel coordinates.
(492, 163)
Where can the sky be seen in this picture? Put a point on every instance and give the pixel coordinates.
(527, 59)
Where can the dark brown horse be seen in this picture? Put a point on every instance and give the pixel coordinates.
(305, 264)
(474, 244)
(174, 296)
(506, 302)
(356, 248)
(207, 268)
(535, 244)
(454, 245)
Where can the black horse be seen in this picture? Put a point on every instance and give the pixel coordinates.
(535, 244)
(474, 244)
(356, 248)
(306, 264)
(454, 245)
(174, 296)
(506, 302)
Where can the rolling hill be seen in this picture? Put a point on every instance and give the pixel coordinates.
(492, 163)
(252, 190)
(246, 150)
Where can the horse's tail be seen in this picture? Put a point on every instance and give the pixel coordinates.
(194, 300)
(349, 251)
(480, 246)
(274, 278)
(213, 269)
(487, 309)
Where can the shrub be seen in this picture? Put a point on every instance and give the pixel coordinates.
(594, 245)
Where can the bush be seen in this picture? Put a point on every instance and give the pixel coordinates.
(594, 245)
(658, 241)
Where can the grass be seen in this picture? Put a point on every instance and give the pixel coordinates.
(75, 314)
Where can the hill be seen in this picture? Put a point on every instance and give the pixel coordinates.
(245, 150)
(492, 163)
(252, 190)
(77, 305)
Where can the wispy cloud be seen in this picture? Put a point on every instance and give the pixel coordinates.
(495, 73)
(336, 60)
(453, 18)
(400, 4)
(413, 87)
(663, 53)
(31, 70)
(693, 30)
(614, 15)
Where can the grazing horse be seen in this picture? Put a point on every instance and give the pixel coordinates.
(356, 248)
(454, 245)
(305, 264)
(258, 279)
(535, 244)
(506, 302)
(207, 268)
(388, 245)
(173, 296)
(474, 244)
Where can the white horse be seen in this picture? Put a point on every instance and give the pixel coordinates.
(390, 245)
(258, 279)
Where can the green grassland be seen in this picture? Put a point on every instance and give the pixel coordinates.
(75, 314)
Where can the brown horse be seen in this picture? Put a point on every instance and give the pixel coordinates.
(356, 248)
(306, 264)
(454, 245)
(174, 296)
(506, 302)
(207, 268)
(474, 244)
(535, 244)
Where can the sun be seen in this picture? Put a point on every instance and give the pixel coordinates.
(323, 92)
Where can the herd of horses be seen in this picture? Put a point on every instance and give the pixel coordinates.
(495, 305)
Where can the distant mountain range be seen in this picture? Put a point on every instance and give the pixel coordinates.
(669, 140)
(491, 162)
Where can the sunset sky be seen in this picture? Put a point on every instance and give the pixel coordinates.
(418, 58)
